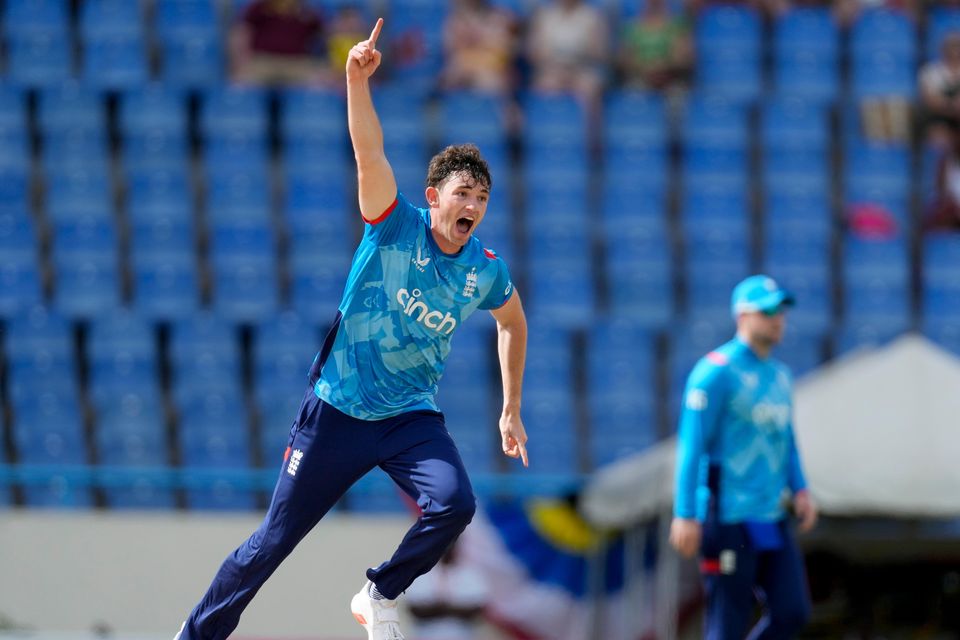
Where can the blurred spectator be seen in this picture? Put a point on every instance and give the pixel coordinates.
(940, 93)
(276, 43)
(348, 26)
(480, 43)
(944, 211)
(447, 602)
(569, 50)
(656, 48)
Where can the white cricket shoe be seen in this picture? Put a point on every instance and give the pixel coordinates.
(378, 617)
(177, 637)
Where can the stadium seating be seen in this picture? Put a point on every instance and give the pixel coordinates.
(172, 245)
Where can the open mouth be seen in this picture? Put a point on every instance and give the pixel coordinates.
(464, 224)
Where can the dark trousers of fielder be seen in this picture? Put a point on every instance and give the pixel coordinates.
(737, 575)
(328, 451)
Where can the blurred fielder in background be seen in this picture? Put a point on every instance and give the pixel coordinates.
(736, 456)
(416, 276)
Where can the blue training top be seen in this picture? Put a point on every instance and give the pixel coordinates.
(737, 414)
(403, 300)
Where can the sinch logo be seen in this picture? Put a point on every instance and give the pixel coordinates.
(417, 309)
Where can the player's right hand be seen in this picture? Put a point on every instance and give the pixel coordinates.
(364, 58)
(685, 535)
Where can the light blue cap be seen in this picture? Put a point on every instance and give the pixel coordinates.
(759, 293)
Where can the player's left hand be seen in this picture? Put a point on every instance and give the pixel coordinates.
(806, 510)
(514, 437)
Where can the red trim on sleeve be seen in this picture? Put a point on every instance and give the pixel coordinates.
(490, 254)
(382, 216)
(717, 358)
(710, 566)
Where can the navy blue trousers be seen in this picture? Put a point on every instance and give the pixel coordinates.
(328, 451)
(737, 577)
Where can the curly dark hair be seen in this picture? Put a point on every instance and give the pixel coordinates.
(458, 158)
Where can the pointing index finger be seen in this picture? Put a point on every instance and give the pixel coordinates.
(376, 32)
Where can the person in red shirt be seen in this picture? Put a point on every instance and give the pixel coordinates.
(275, 43)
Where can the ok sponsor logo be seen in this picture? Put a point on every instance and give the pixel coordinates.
(414, 307)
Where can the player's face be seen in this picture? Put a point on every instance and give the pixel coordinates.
(456, 208)
(766, 327)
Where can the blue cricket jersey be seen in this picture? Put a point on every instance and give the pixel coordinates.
(402, 303)
(737, 415)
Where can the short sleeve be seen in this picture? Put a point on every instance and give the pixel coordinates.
(502, 287)
(400, 220)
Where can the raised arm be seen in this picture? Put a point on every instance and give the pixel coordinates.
(377, 185)
(512, 347)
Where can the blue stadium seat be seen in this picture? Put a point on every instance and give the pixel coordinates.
(155, 150)
(714, 122)
(807, 28)
(165, 290)
(877, 284)
(88, 239)
(562, 290)
(20, 285)
(184, 19)
(550, 422)
(76, 152)
(314, 114)
(115, 62)
(621, 426)
(885, 167)
(153, 108)
(710, 208)
(316, 292)
(162, 240)
(797, 169)
(635, 119)
(882, 29)
(553, 121)
(70, 107)
(549, 364)
(205, 357)
(39, 61)
(35, 17)
(474, 116)
(807, 74)
(241, 196)
(706, 167)
(319, 203)
(945, 334)
(620, 359)
(232, 110)
(192, 62)
(417, 66)
(18, 238)
(245, 292)
(232, 153)
(110, 18)
(121, 347)
(940, 300)
(86, 288)
(160, 193)
(35, 332)
(883, 74)
(49, 433)
(731, 73)
(789, 123)
(726, 27)
(283, 348)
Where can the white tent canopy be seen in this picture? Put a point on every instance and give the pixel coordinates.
(878, 431)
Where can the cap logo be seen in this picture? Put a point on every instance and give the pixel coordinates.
(770, 285)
